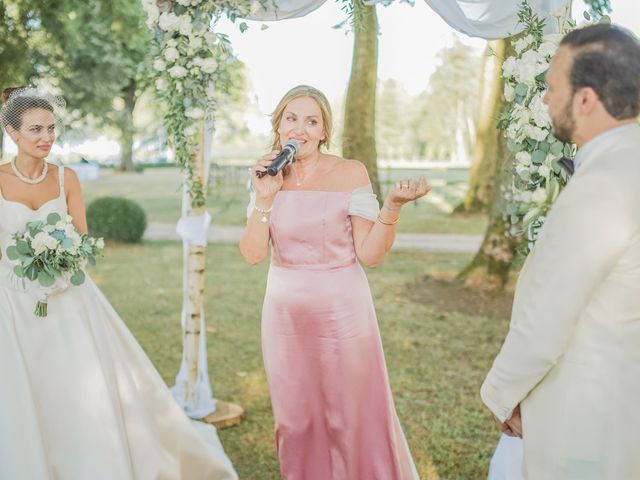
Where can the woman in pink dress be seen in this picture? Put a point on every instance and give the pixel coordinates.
(334, 413)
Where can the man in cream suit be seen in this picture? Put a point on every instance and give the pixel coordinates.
(567, 379)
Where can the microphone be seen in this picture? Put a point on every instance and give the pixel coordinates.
(284, 158)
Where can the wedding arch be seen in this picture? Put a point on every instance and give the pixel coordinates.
(190, 74)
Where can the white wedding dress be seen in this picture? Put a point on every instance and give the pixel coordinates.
(79, 398)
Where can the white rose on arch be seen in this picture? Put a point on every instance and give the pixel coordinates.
(159, 65)
(161, 84)
(153, 12)
(530, 65)
(509, 92)
(190, 130)
(536, 133)
(177, 71)
(540, 112)
(171, 54)
(520, 45)
(525, 196)
(168, 22)
(195, 42)
(209, 65)
(544, 171)
(508, 67)
(185, 27)
(539, 195)
(523, 158)
(548, 49)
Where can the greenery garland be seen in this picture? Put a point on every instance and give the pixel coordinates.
(189, 65)
(537, 175)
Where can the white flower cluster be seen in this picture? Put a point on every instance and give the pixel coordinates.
(527, 126)
(189, 61)
(50, 253)
(52, 237)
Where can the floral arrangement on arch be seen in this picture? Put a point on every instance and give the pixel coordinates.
(189, 66)
(537, 175)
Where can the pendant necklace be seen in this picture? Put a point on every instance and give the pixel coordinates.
(313, 169)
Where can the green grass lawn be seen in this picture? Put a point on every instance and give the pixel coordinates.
(158, 190)
(437, 351)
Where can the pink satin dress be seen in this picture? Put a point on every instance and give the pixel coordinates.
(334, 413)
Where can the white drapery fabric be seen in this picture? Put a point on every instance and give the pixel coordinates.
(488, 19)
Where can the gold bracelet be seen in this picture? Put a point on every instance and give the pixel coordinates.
(384, 205)
(264, 212)
(388, 223)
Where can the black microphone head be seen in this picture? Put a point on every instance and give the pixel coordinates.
(284, 158)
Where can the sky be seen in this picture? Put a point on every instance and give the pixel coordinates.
(307, 50)
(279, 55)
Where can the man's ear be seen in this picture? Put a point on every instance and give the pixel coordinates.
(588, 100)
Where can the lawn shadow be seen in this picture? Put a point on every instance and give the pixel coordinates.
(444, 294)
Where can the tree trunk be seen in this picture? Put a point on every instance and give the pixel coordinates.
(358, 137)
(489, 269)
(126, 127)
(482, 175)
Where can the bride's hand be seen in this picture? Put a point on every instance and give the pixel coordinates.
(406, 191)
(266, 186)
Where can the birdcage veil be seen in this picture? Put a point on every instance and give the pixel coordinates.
(17, 101)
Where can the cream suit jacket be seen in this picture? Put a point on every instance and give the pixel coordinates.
(572, 354)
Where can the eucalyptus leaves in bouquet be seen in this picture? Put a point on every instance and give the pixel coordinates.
(51, 253)
(538, 177)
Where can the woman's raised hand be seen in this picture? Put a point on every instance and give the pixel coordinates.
(407, 190)
(266, 186)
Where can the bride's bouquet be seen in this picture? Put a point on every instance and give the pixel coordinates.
(51, 254)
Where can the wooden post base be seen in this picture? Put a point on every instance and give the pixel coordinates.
(226, 415)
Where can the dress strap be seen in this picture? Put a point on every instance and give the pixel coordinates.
(61, 178)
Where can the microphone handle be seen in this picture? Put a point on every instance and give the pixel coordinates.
(280, 161)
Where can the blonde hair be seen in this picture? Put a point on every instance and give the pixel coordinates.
(297, 92)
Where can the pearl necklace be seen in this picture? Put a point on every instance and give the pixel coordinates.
(298, 181)
(25, 179)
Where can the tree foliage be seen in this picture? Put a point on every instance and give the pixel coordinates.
(448, 107)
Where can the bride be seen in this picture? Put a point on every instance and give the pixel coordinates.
(79, 397)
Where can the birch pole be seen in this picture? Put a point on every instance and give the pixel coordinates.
(192, 389)
(193, 288)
